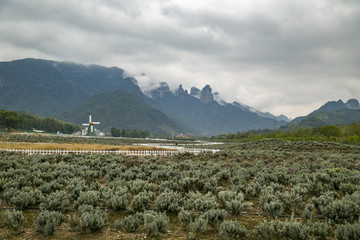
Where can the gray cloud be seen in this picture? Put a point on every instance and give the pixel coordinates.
(280, 56)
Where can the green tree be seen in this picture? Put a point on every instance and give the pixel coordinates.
(10, 119)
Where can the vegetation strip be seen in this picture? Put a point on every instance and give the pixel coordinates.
(243, 191)
(116, 152)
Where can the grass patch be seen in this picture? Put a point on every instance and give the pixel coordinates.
(75, 146)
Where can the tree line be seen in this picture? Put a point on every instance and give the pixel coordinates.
(343, 133)
(27, 121)
(116, 132)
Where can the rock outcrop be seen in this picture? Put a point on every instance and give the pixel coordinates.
(206, 95)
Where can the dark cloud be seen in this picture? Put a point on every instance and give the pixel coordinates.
(279, 56)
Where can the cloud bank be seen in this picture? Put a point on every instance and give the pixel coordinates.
(286, 57)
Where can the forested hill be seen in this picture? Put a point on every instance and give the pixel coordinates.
(120, 109)
(47, 87)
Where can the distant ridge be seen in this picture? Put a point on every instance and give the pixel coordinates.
(331, 113)
(199, 110)
(122, 110)
(47, 87)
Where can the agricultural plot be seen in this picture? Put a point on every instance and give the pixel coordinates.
(258, 190)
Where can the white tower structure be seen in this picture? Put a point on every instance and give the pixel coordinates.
(91, 128)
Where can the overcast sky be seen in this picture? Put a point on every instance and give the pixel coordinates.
(282, 56)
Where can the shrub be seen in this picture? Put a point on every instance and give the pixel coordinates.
(169, 201)
(85, 208)
(271, 204)
(26, 197)
(13, 219)
(232, 230)
(57, 201)
(292, 201)
(270, 230)
(155, 223)
(141, 202)
(130, 223)
(47, 221)
(75, 187)
(309, 207)
(226, 196)
(169, 185)
(185, 217)
(191, 184)
(341, 211)
(215, 217)
(295, 230)
(237, 206)
(348, 231)
(74, 223)
(321, 230)
(253, 189)
(349, 188)
(118, 200)
(198, 202)
(137, 185)
(323, 200)
(88, 198)
(92, 221)
(199, 224)
(210, 185)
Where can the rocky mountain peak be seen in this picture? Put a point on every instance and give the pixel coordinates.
(206, 95)
(352, 104)
(195, 92)
(161, 91)
(181, 93)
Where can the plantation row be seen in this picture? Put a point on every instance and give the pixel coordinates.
(294, 146)
(42, 138)
(186, 196)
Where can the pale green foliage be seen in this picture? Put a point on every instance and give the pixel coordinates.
(232, 230)
(199, 202)
(155, 222)
(185, 217)
(253, 189)
(75, 187)
(56, 201)
(85, 208)
(13, 219)
(141, 202)
(270, 202)
(93, 221)
(88, 198)
(341, 211)
(47, 221)
(26, 197)
(295, 230)
(117, 200)
(74, 223)
(308, 210)
(199, 224)
(269, 230)
(169, 201)
(130, 223)
(348, 231)
(215, 217)
(321, 230)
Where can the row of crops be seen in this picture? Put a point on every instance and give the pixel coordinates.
(43, 138)
(257, 190)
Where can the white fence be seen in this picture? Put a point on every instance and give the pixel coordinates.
(118, 152)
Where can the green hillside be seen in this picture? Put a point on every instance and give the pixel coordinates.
(46, 87)
(122, 110)
(318, 119)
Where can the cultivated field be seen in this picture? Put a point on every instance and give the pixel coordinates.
(269, 189)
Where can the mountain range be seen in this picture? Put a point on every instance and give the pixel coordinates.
(331, 113)
(71, 92)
